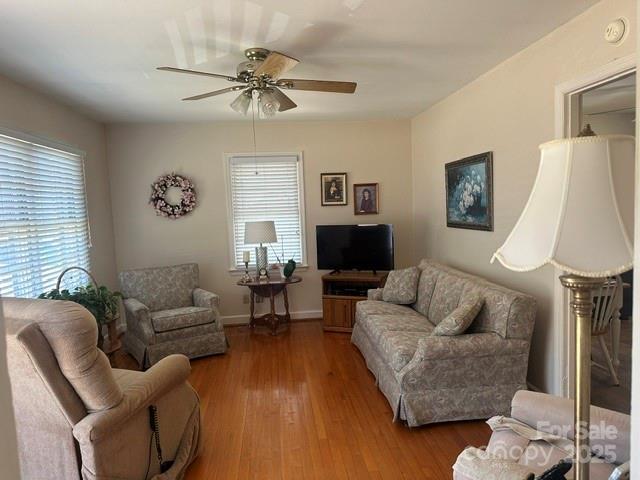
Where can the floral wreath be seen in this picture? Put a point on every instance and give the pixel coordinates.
(159, 189)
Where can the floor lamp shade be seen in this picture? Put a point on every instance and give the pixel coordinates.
(572, 219)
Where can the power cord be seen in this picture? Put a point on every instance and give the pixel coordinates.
(155, 427)
(146, 475)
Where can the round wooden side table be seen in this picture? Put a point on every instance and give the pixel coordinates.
(270, 288)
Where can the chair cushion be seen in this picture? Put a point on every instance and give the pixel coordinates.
(426, 285)
(375, 325)
(401, 286)
(176, 318)
(446, 296)
(457, 322)
(376, 307)
(506, 312)
(376, 317)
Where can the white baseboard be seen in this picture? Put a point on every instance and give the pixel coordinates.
(244, 319)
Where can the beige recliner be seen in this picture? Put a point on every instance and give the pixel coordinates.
(541, 435)
(76, 417)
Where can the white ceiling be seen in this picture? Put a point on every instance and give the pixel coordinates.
(100, 55)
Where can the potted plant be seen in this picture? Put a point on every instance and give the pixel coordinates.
(98, 299)
(285, 269)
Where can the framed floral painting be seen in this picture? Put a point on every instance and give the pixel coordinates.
(469, 192)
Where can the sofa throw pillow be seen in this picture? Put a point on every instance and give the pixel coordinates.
(401, 286)
(457, 322)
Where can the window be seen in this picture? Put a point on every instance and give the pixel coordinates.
(43, 216)
(267, 187)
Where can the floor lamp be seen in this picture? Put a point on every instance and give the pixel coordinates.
(572, 221)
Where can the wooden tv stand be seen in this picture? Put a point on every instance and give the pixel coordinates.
(340, 293)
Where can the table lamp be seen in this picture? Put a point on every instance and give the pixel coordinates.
(572, 221)
(259, 233)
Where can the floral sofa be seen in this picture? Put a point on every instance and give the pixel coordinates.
(428, 378)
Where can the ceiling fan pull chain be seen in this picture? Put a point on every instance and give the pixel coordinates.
(253, 126)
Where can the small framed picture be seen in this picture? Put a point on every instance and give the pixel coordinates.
(365, 198)
(469, 192)
(334, 189)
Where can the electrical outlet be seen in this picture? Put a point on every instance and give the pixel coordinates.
(259, 299)
(246, 299)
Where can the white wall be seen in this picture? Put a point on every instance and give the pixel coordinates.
(27, 111)
(373, 151)
(510, 111)
(24, 110)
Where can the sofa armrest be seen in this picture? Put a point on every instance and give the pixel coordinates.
(476, 359)
(374, 294)
(165, 375)
(203, 298)
(139, 320)
(468, 345)
(136, 307)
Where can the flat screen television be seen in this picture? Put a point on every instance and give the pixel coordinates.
(355, 247)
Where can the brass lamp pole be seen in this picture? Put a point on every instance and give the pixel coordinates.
(573, 222)
(581, 306)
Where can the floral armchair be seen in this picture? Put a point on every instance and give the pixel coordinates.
(168, 313)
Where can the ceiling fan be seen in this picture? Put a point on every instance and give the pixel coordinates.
(261, 74)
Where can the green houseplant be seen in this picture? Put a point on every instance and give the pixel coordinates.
(98, 299)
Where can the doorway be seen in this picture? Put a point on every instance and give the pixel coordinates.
(607, 102)
(609, 109)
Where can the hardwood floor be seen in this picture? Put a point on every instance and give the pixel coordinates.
(303, 405)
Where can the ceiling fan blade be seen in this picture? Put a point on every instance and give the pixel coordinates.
(317, 85)
(285, 102)
(275, 65)
(216, 92)
(196, 72)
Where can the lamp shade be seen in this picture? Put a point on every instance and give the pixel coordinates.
(572, 219)
(260, 232)
(242, 102)
(269, 103)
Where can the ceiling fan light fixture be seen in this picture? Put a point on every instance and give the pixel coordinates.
(242, 102)
(269, 104)
(262, 74)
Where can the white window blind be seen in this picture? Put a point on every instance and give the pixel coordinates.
(43, 217)
(267, 187)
